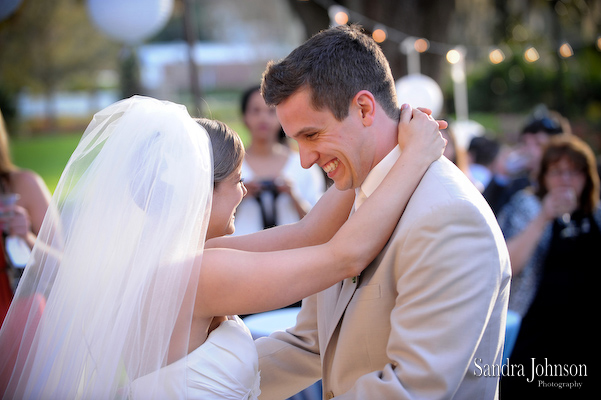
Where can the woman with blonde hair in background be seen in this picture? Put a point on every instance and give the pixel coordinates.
(280, 190)
(553, 233)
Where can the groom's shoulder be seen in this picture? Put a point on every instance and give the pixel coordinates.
(444, 173)
(444, 182)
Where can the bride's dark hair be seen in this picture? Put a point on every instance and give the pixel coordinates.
(228, 150)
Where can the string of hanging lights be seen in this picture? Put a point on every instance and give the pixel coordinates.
(455, 55)
(340, 15)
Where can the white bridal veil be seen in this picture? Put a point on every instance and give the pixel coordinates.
(107, 295)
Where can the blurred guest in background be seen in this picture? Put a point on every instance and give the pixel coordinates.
(553, 235)
(562, 206)
(484, 156)
(280, 191)
(25, 199)
(523, 162)
(482, 152)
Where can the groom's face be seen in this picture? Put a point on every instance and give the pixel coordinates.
(340, 148)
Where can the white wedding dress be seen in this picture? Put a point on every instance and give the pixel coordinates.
(226, 366)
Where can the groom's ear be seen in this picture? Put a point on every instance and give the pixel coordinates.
(364, 104)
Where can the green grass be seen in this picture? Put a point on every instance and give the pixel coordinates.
(46, 155)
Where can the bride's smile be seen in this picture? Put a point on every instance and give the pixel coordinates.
(226, 197)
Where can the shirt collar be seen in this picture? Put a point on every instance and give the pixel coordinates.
(376, 175)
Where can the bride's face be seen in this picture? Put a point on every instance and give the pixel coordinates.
(226, 197)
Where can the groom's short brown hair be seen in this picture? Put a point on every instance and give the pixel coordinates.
(334, 64)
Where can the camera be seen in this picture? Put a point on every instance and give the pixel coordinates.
(268, 186)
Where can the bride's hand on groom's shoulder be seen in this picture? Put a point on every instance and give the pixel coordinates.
(419, 133)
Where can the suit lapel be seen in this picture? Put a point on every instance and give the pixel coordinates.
(337, 298)
(335, 303)
(344, 297)
(346, 293)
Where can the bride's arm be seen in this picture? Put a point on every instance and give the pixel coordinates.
(318, 226)
(239, 282)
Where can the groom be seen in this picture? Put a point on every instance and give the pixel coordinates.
(433, 303)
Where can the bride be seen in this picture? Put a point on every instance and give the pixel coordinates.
(121, 300)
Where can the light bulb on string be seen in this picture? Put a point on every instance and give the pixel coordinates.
(379, 34)
(496, 56)
(531, 55)
(421, 45)
(341, 18)
(338, 15)
(453, 56)
(565, 50)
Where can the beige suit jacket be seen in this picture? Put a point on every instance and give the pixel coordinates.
(418, 319)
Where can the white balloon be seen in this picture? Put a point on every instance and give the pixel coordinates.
(419, 90)
(130, 21)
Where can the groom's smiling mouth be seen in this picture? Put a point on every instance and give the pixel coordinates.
(331, 166)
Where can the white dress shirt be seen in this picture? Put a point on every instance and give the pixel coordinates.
(376, 176)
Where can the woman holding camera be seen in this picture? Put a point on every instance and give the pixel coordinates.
(280, 191)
